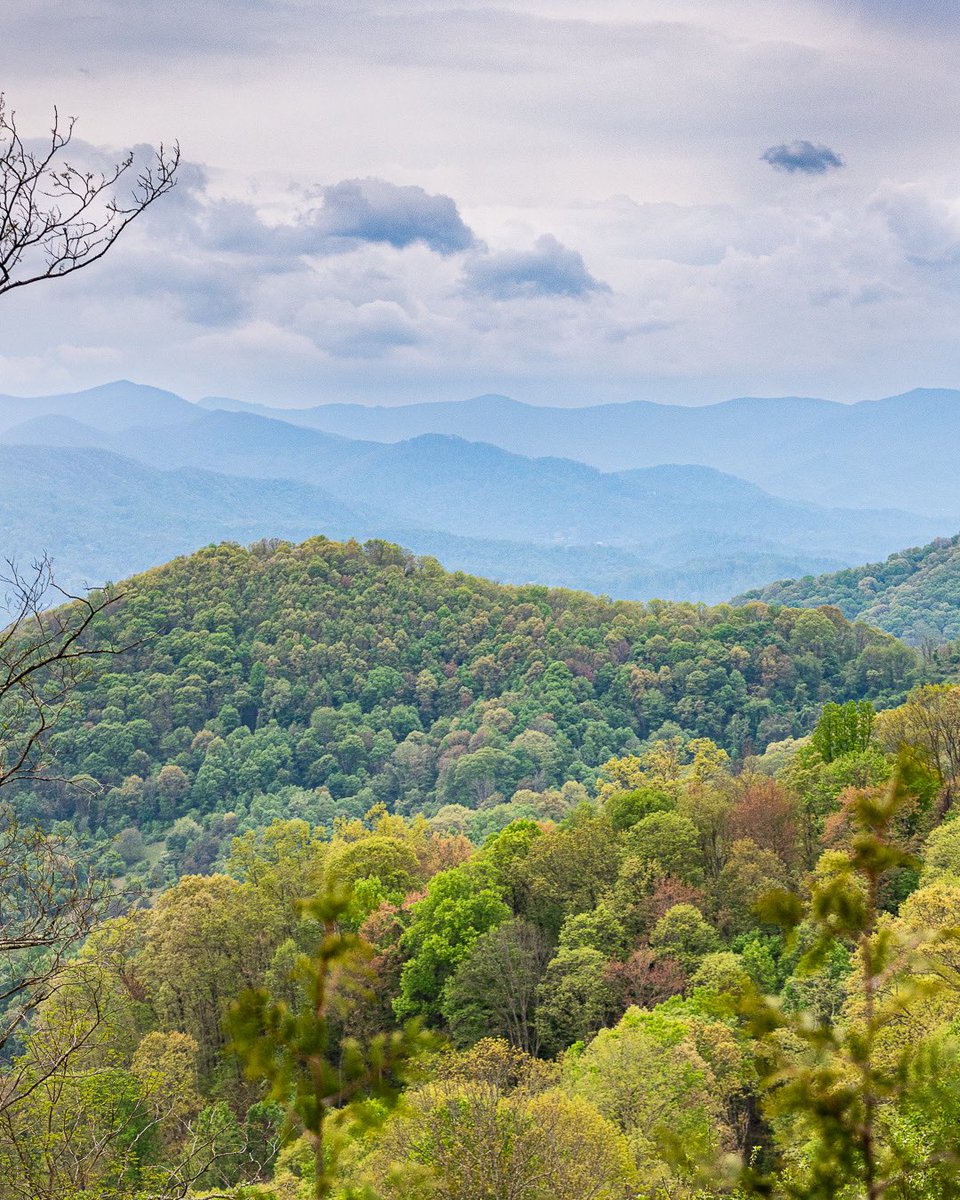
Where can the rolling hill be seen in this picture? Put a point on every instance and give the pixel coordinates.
(375, 676)
(914, 594)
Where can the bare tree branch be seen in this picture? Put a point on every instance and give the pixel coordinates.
(43, 654)
(56, 218)
(48, 902)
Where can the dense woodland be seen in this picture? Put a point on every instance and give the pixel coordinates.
(409, 885)
(319, 680)
(914, 594)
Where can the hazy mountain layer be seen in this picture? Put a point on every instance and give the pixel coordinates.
(102, 516)
(677, 531)
(113, 406)
(478, 490)
(879, 453)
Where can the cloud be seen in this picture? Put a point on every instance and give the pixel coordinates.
(145, 28)
(549, 269)
(372, 330)
(373, 210)
(925, 224)
(938, 16)
(803, 156)
(357, 290)
(353, 212)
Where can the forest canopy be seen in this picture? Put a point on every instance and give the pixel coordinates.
(705, 979)
(321, 679)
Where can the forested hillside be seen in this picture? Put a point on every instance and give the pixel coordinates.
(586, 988)
(348, 851)
(914, 594)
(326, 677)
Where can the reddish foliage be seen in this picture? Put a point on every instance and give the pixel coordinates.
(764, 812)
(442, 851)
(644, 979)
(669, 892)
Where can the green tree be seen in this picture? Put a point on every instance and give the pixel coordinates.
(930, 721)
(569, 869)
(493, 1127)
(574, 998)
(684, 934)
(843, 729)
(829, 1088)
(941, 856)
(445, 925)
(669, 842)
(326, 1089)
(647, 1075)
(493, 992)
(624, 809)
(208, 938)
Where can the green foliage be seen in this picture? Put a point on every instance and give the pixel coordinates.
(668, 842)
(941, 857)
(585, 891)
(446, 923)
(721, 971)
(334, 676)
(831, 1088)
(327, 1095)
(843, 729)
(494, 1124)
(683, 934)
(493, 992)
(624, 809)
(647, 1075)
(573, 1000)
(598, 929)
(914, 594)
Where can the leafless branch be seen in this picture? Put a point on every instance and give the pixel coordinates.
(56, 218)
(43, 653)
(48, 903)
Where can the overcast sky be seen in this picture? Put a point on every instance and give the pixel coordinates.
(564, 201)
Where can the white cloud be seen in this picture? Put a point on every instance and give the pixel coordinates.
(927, 225)
(366, 160)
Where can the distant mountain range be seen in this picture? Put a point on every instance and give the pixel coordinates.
(914, 594)
(889, 453)
(118, 478)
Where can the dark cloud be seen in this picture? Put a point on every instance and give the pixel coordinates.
(803, 156)
(353, 213)
(549, 269)
(372, 210)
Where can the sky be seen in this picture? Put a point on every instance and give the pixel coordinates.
(565, 202)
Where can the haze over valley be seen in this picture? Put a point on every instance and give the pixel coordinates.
(121, 477)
